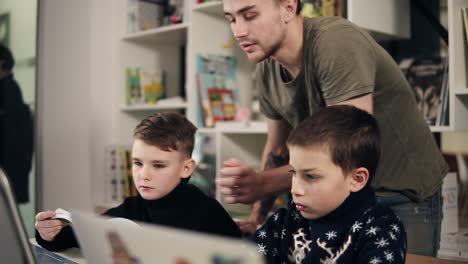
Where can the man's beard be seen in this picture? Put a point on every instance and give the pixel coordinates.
(268, 53)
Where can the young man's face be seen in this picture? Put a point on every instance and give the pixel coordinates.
(318, 185)
(257, 25)
(157, 172)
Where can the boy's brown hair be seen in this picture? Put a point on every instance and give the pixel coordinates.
(351, 135)
(167, 131)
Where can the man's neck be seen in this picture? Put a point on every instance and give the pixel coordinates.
(289, 55)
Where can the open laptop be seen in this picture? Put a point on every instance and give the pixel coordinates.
(109, 241)
(14, 244)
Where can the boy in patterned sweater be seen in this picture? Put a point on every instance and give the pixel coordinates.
(333, 217)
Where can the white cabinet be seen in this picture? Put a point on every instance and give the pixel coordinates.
(458, 85)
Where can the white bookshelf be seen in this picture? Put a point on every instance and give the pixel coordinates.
(174, 34)
(458, 91)
(152, 107)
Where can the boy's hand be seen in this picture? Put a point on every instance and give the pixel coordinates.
(247, 228)
(48, 228)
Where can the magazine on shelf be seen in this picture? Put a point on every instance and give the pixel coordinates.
(426, 78)
(443, 115)
(217, 89)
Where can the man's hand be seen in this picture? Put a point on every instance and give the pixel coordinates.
(48, 228)
(239, 183)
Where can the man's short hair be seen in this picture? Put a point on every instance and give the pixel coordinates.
(299, 6)
(167, 131)
(351, 135)
(6, 57)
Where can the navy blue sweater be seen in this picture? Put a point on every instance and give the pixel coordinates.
(358, 231)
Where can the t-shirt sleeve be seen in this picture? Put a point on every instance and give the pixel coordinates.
(268, 239)
(344, 62)
(261, 79)
(382, 241)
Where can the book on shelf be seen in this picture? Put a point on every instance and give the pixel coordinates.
(152, 85)
(217, 89)
(144, 15)
(315, 8)
(454, 226)
(144, 86)
(428, 80)
(149, 14)
(443, 115)
(119, 180)
(464, 11)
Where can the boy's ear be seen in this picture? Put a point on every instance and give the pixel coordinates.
(189, 167)
(359, 179)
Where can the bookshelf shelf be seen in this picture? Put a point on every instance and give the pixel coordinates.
(152, 107)
(253, 127)
(436, 129)
(205, 130)
(214, 8)
(172, 34)
(461, 91)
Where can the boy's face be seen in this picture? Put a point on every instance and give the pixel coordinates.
(318, 185)
(258, 26)
(157, 172)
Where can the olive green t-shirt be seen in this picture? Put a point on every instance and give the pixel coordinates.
(340, 62)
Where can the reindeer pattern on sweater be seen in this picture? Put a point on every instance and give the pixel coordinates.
(358, 231)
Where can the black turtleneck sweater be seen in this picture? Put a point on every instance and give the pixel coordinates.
(358, 231)
(185, 207)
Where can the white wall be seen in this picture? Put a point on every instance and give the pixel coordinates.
(64, 103)
(78, 98)
(23, 27)
(23, 42)
(105, 32)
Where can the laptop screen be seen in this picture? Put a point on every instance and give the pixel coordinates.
(13, 240)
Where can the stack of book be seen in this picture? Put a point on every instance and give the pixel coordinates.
(144, 86)
(119, 179)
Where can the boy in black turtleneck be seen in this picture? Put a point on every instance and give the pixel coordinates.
(333, 217)
(162, 165)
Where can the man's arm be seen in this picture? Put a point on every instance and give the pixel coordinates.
(277, 181)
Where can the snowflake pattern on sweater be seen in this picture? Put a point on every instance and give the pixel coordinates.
(358, 231)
